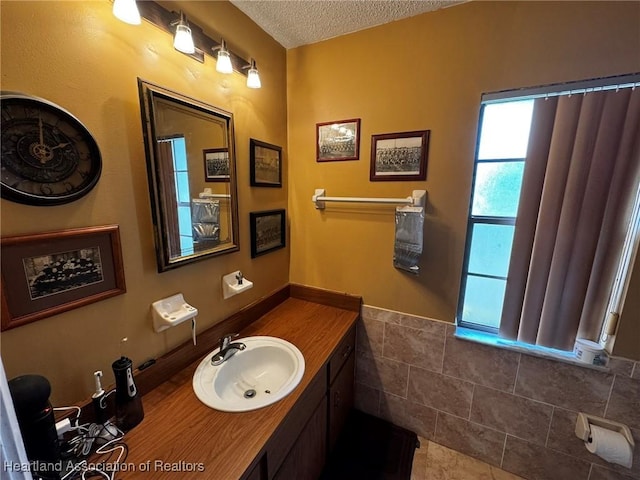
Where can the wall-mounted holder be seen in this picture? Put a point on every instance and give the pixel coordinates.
(417, 199)
(171, 311)
(583, 429)
(234, 283)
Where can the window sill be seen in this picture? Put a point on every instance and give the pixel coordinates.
(534, 350)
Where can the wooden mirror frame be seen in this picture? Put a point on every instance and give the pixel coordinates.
(161, 226)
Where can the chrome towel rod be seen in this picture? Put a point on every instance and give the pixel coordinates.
(208, 193)
(417, 199)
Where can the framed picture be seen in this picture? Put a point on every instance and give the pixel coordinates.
(399, 156)
(265, 164)
(216, 164)
(267, 231)
(338, 140)
(49, 273)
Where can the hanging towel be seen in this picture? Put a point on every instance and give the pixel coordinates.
(409, 233)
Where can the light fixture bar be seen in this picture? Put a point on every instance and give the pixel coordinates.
(163, 19)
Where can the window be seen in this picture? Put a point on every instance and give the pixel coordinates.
(553, 219)
(180, 181)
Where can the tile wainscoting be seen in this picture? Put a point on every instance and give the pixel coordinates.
(508, 409)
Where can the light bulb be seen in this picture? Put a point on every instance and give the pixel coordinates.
(223, 64)
(253, 78)
(127, 11)
(183, 41)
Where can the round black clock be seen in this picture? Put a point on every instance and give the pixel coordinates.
(48, 156)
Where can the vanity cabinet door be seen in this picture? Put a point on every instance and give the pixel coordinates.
(341, 399)
(306, 459)
(341, 354)
(258, 472)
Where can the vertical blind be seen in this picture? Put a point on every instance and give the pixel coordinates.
(580, 181)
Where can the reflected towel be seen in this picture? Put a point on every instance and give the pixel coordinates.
(409, 237)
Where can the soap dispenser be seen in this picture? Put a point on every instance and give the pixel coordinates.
(129, 412)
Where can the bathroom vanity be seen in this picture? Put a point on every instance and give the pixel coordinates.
(181, 437)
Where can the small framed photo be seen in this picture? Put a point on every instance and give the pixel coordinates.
(399, 156)
(265, 164)
(338, 140)
(267, 231)
(45, 274)
(216, 164)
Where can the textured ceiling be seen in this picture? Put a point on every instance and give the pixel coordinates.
(299, 22)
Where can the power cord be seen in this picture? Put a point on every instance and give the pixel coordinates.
(106, 437)
(88, 434)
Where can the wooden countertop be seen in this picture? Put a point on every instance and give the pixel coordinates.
(182, 434)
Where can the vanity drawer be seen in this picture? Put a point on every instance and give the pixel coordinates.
(345, 348)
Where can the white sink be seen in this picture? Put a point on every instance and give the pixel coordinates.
(261, 374)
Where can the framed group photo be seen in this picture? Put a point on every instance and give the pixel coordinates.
(54, 272)
(268, 231)
(265, 164)
(216, 165)
(399, 156)
(339, 140)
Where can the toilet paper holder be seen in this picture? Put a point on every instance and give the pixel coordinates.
(583, 429)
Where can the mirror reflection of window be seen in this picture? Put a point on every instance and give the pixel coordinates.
(177, 149)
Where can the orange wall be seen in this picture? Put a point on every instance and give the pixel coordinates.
(426, 72)
(79, 56)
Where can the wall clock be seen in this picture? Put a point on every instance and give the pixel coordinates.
(48, 156)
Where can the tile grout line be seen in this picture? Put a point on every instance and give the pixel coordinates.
(473, 394)
(590, 471)
(515, 380)
(546, 440)
(606, 407)
(444, 352)
(504, 450)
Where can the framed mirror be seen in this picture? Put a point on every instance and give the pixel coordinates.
(191, 168)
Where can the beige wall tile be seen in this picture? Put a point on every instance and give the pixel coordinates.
(383, 374)
(470, 438)
(423, 348)
(564, 385)
(620, 366)
(509, 413)
(408, 414)
(482, 364)
(538, 463)
(380, 314)
(370, 334)
(624, 403)
(367, 399)
(440, 392)
(601, 473)
(562, 437)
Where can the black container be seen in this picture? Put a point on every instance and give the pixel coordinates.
(30, 394)
(129, 412)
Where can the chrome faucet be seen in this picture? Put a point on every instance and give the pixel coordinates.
(227, 349)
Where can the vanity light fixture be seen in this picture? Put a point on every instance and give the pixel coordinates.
(223, 62)
(190, 39)
(183, 41)
(253, 77)
(127, 11)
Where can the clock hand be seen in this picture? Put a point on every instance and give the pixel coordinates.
(60, 145)
(41, 129)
